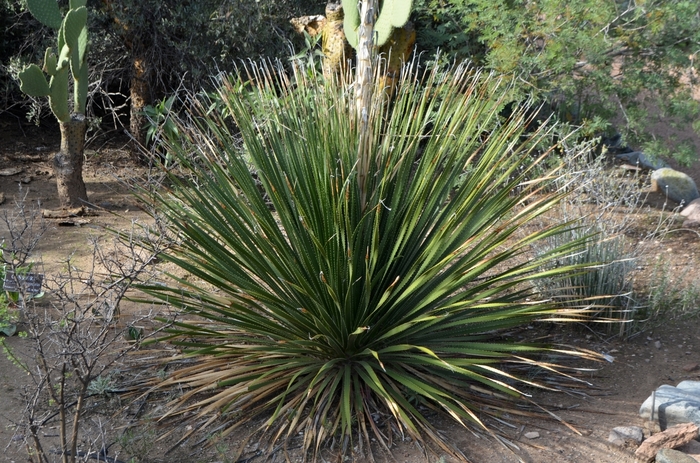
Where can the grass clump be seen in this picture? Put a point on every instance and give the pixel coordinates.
(339, 314)
(602, 203)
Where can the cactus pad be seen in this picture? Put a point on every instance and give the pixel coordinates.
(50, 62)
(46, 11)
(72, 51)
(58, 99)
(351, 21)
(392, 14)
(33, 82)
(73, 25)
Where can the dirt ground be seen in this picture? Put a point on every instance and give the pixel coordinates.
(618, 388)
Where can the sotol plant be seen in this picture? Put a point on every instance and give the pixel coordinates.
(71, 62)
(340, 314)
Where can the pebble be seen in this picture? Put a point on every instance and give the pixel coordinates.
(657, 344)
(532, 435)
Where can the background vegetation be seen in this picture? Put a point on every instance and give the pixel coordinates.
(616, 65)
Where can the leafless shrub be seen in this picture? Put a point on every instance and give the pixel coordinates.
(77, 335)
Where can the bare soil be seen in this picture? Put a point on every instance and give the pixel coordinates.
(613, 399)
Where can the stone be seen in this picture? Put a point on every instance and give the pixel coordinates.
(673, 405)
(11, 171)
(691, 367)
(692, 448)
(673, 456)
(637, 158)
(671, 438)
(626, 436)
(692, 210)
(532, 435)
(657, 344)
(692, 214)
(677, 186)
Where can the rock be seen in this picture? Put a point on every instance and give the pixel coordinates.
(651, 427)
(669, 439)
(637, 158)
(673, 405)
(625, 436)
(675, 185)
(11, 171)
(532, 435)
(691, 367)
(692, 448)
(692, 214)
(657, 344)
(692, 210)
(673, 456)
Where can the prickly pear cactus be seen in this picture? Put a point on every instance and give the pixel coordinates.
(71, 61)
(392, 14)
(72, 57)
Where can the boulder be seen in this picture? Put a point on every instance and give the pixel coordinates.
(671, 438)
(639, 159)
(675, 185)
(673, 405)
(673, 456)
(626, 436)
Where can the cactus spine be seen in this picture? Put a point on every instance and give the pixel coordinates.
(71, 59)
(392, 14)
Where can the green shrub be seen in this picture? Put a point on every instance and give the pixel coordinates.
(611, 65)
(319, 312)
(669, 297)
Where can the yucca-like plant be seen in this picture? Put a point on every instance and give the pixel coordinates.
(340, 319)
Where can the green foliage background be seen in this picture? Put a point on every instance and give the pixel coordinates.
(186, 43)
(615, 65)
(608, 63)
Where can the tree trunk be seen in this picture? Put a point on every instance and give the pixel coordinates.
(335, 48)
(140, 96)
(68, 163)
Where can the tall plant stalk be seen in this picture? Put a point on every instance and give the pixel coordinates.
(364, 87)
